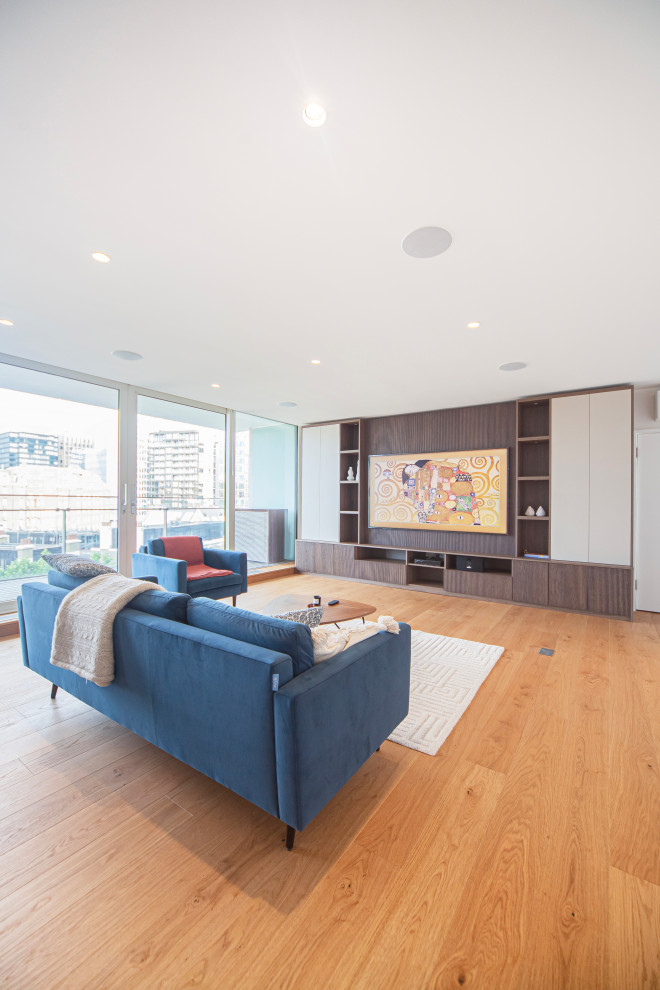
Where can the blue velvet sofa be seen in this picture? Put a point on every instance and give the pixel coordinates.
(235, 694)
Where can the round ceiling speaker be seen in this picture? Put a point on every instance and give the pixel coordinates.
(127, 355)
(427, 242)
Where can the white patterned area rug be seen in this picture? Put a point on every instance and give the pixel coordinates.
(445, 675)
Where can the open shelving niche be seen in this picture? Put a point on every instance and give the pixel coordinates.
(349, 491)
(533, 476)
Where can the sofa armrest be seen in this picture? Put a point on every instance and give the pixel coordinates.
(330, 719)
(171, 574)
(231, 560)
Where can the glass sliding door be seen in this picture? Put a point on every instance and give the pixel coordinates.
(58, 474)
(180, 471)
(265, 487)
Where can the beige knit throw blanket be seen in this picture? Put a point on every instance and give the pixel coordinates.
(82, 639)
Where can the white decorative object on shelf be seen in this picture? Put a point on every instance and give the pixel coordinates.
(350, 476)
(529, 511)
(540, 511)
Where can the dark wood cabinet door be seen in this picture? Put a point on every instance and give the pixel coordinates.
(387, 571)
(315, 557)
(567, 585)
(530, 582)
(343, 560)
(481, 584)
(609, 591)
(305, 555)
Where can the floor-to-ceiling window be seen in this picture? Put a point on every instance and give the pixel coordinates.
(265, 484)
(97, 468)
(58, 474)
(180, 471)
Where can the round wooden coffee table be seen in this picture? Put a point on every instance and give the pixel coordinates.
(331, 613)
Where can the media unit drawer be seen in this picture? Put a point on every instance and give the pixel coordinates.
(387, 571)
(489, 584)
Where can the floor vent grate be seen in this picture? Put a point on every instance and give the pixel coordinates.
(546, 652)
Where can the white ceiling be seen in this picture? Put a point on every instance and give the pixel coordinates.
(244, 243)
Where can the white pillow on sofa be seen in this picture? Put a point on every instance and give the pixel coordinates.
(329, 642)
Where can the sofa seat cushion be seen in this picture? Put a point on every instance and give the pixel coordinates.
(279, 635)
(197, 571)
(209, 584)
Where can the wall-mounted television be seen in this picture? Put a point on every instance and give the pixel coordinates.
(460, 490)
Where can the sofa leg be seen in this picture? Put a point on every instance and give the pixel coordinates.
(53, 690)
(233, 600)
(290, 836)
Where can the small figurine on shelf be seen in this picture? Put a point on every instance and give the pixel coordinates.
(350, 476)
(529, 511)
(540, 511)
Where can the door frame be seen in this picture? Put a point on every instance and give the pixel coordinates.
(636, 535)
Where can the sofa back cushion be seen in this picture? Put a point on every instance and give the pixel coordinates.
(166, 604)
(188, 548)
(291, 638)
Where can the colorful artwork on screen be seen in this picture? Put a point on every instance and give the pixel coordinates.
(462, 490)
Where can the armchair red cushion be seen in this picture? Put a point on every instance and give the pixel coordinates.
(198, 571)
(190, 549)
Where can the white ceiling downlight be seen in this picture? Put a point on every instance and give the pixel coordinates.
(315, 361)
(314, 115)
(513, 366)
(100, 256)
(426, 242)
(215, 385)
(7, 323)
(127, 355)
(472, 326)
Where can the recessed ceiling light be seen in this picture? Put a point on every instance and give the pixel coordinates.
(99, 256)
(473, 326)
(287, 405)
(127, 355)
(215, 386)
(426, 242)
(513, 366)
(315, 361)
(314, 115)
(6, 323)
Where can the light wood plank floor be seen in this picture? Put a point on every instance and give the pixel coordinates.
(524, 855)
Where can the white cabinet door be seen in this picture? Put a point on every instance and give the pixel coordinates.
(610, 461)
(309, 484)
(329, 484)
(569, 478)
(319, 497)
(590, 477)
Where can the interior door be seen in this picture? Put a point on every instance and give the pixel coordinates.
(647, 529)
